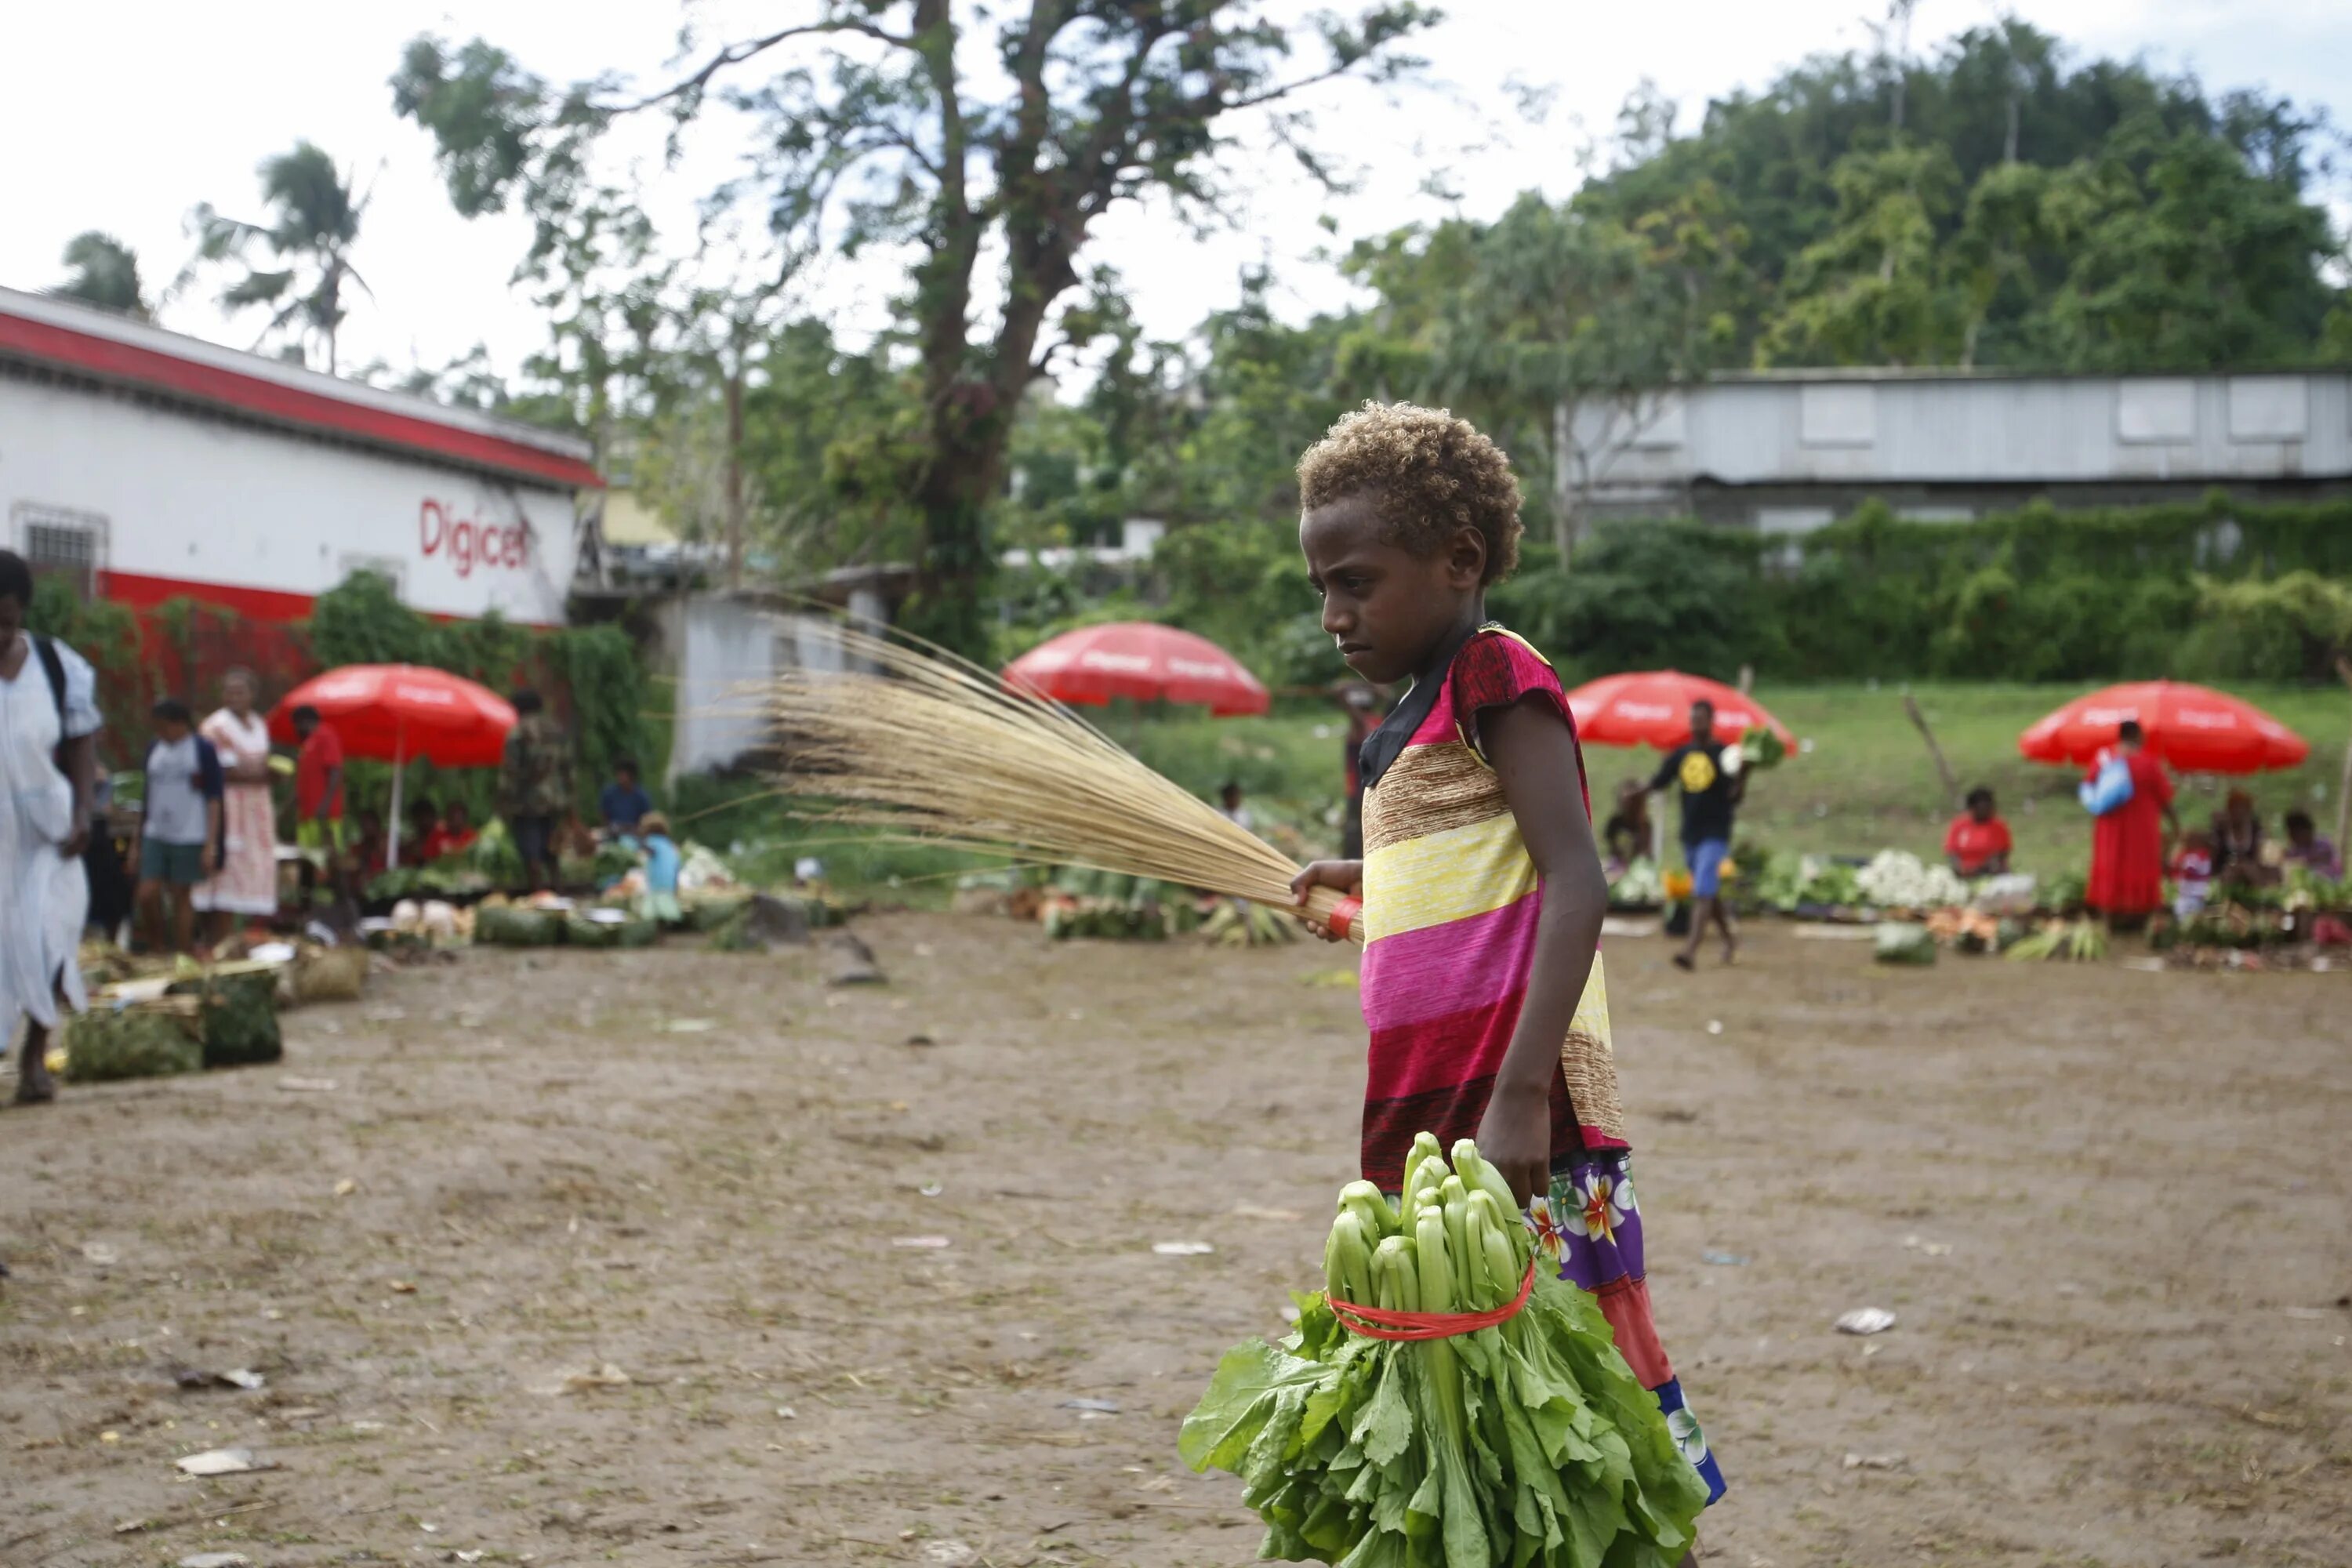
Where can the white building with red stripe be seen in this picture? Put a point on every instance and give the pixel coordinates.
(156, 467)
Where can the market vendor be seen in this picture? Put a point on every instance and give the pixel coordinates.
(1626, 838)
(2238, 842)
(452, 835)
(1977, 842)
(623, 802)
(2308, 849)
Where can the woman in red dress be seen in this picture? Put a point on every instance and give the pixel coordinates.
(2127, 843)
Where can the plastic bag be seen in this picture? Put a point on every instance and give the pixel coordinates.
(2109, 788)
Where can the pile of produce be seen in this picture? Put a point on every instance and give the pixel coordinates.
(490, 861)
(1638, 886)
(1969, 931)
(611, 862)
(1526, 1442)
(235, 1017)
(2072, 941)
(1792, 883)
(1231, 924)
(2302, 890)
(139, 1040)
(709, 910)
(2012, 894)
(1898, 879)
(2064, 892)
(1903, 942)
(609, 928)
(325, 974)
(436, 921)
(2230, 924)
(537, 922)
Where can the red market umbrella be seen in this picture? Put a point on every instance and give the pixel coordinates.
(395, 713)
(1651, 707)
(1138, 659)
(2195, 729)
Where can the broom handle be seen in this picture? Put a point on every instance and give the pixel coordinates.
(1342, 912)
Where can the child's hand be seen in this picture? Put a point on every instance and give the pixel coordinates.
(1514, 1136)
(1342, 876)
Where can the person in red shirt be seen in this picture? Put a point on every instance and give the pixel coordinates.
(319, 797)
(1976, 844)
(452, 835)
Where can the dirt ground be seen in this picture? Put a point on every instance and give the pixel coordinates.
(2110, 1209)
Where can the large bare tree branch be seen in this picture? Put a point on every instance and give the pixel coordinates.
(749, 48)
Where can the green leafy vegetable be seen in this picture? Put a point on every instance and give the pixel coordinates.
(1530, 1443)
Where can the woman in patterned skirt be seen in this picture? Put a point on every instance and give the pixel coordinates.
(1483, 894)
(246, 883)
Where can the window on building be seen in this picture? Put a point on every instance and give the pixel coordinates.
(60, 540)
(2155, 411)
(2269, 408)
(1837, 415)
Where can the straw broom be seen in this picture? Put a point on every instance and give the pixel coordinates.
(934, 749)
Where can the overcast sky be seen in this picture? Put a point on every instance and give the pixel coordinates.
(122, 116)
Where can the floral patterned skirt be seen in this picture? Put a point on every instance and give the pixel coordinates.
(1591, 1228)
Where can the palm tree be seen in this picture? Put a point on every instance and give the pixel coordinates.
(105, 274)
(314, 219)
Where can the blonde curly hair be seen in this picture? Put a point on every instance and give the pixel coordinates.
(1424, 473)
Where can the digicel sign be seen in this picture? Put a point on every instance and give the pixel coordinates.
(469, 544)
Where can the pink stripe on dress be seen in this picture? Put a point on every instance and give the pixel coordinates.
(1416, 976)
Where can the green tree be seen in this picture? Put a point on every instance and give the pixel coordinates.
(1574, 329)
(2182, 257)
(104, 273)
(314, 220)
(1871, 290)
(874, 128)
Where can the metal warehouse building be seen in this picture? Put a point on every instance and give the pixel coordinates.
(152, 466)
(1787, 451)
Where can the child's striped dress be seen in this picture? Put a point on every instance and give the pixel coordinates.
(1451, 899)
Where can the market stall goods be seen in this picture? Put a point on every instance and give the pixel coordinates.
(144, 1039)
(1443, 1403)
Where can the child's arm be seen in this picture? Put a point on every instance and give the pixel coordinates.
(1534, 756)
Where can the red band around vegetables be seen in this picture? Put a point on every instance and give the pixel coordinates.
(1379, 1323)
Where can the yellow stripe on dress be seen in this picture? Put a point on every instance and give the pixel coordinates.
(1439, 878)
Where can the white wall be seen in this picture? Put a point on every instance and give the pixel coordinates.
(2020, 430)
(204, 501)
(724, 648)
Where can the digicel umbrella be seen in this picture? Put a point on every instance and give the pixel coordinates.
(2194, 728)
(1651, 707)
(1138, 659)
(394, 713)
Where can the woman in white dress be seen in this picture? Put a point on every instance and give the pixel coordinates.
(48, 714)
(246, 883)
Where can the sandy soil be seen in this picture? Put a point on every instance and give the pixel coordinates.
(2110, 1209)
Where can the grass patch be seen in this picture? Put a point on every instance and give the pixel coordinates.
(1866, 786)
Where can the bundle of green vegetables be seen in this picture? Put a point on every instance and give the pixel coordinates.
(1527, 1442)
(1232, 924)
(2069, 941)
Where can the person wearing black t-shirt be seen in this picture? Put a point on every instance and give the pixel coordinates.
(1712, 788)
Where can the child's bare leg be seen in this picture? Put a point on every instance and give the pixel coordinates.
(1722, 908)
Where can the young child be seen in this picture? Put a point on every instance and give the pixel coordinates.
(2192, 876)
(1482, 889)
(662, 861)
